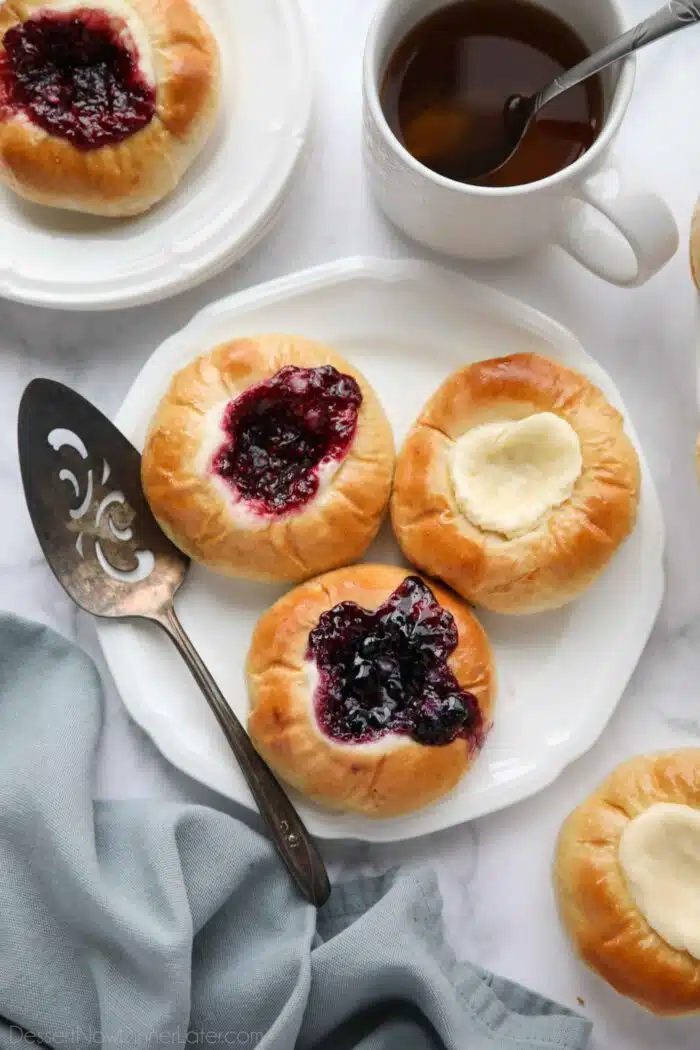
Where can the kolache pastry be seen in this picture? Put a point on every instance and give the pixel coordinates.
(516, 485)
(695, 246)
(370, 691)
(627, 880)
(269, 458)
(695, 270)
(105, 104)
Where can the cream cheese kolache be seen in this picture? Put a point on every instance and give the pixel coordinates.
(103, 105)
(269, 458)
(627, 880)
(516, 484)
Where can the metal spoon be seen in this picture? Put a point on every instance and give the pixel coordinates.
(82, 483)
(503, 138)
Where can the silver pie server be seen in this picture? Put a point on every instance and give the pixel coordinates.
(82, 483)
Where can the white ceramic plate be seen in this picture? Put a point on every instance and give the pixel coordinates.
(407, 325)
(225, 203)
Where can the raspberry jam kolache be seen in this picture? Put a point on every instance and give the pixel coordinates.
(104, 105)
(269, 458)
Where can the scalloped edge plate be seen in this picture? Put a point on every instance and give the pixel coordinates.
(561, 674)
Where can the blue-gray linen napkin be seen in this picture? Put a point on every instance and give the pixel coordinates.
(154, 924)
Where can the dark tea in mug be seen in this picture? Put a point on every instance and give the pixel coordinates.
(463, 62)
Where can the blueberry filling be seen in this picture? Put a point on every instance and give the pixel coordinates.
(387, 671)
(73, 75)
(281, 431)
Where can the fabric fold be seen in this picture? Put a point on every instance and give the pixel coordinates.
(152, 923)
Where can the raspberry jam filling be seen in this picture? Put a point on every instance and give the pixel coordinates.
(280, 432)
(387, 672)
(73, 74)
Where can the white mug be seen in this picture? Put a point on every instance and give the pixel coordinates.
(474, 222)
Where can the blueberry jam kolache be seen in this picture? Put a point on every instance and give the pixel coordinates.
(269, 458)
(103, 106)
(371, 691)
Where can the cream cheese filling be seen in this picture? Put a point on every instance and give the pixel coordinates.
(507, 476)
(659, 854)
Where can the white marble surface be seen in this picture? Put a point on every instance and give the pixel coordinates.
(495, 873)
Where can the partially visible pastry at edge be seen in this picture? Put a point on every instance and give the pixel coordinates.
(516, 485)
(104, 104)
(269, 458)
(627, 880)
(695, 246)
(695, 270)
(370, 691)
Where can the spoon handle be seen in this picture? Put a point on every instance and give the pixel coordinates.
(676, 14)
(286, 828)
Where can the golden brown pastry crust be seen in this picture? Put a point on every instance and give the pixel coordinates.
(609, 933)
(375, 780)
(695, 246)
(334, 529)
(563, 555)
(695, 271)
(131, 176)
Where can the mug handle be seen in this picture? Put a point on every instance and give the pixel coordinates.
(647, 232)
